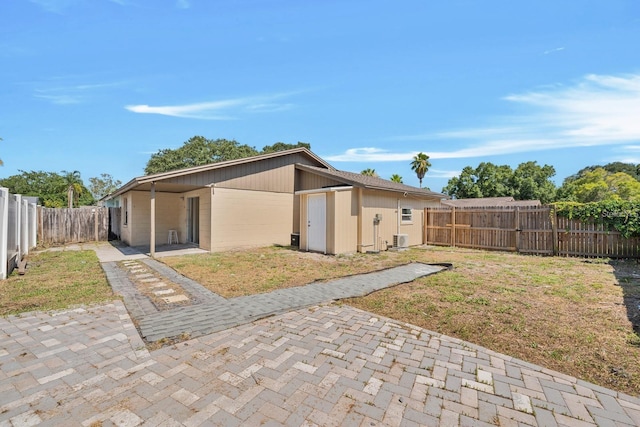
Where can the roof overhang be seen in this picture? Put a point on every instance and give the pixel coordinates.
(163, 184)
(325, 190)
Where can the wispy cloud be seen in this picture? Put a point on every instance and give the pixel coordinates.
(557, 49)
(598, 110)
(58, 6)
(55, 6)
(72, 94)
(227, 109)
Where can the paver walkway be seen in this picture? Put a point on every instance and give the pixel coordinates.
(215, 313)
(324, 365)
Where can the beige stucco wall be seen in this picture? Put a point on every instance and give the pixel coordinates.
(137, 231)
(204, 194)
(244, 218)
(386, 204)
(342, 220)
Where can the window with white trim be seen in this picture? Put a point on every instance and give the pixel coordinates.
(407, 215)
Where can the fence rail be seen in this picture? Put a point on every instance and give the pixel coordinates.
(534, 230)
(75, 225)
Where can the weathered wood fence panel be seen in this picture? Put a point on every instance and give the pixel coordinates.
(534, 230)
(77, 225)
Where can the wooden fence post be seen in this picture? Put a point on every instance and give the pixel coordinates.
(95, 226)
(517, 230)
(554, 229)
(425, 219)
(453, 226)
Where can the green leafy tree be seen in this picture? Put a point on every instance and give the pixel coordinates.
(195, 152)
(103, 185)
(396, 178)
(464, 186)
(281, 146)
(600, 185)
(420, 165)
(533, 182)
(614, 167)
(50, 187)
(528, 182)
(199, 150)
(369, 172)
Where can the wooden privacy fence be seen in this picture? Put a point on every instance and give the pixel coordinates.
(534, 230)
(77, 225)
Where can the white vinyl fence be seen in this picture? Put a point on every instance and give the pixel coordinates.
(18, 230)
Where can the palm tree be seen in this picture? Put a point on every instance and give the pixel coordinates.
(420, 165)
(369, 172)
(396, 178)
(73, 184)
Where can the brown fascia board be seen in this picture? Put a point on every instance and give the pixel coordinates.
(405, 189)
(145, 179)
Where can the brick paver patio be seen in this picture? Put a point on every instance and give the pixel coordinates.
(323, 365)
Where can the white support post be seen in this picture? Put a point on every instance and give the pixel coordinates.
(4, 231)
(17, 225)
(152, 240)
(24, 228)
(33, 225)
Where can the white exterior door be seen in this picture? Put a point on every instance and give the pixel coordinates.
(317, 223)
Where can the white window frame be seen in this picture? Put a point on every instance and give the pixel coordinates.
(406, 218)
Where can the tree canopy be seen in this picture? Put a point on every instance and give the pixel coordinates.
(51, 188)
(103, 185)
(199, 150)
(396, 178)
(599, 184)
(369, 172)
(528, 182)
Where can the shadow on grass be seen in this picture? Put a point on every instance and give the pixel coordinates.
(627, 273)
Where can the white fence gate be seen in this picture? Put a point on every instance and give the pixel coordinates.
(18, 227)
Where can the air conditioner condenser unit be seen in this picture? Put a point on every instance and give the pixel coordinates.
(400, 240)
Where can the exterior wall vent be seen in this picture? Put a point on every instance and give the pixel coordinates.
(400, 240)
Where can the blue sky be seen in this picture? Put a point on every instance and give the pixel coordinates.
(97, 86)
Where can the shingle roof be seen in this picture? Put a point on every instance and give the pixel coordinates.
(370, 182)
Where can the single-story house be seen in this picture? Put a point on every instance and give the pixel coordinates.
(290, 196)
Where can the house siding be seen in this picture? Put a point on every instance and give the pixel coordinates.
(386, 204)
(204, 225)
(139, 226)
(342, 219)
(246, 218)
(273, 175)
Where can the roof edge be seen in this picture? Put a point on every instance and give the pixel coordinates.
(145, 179)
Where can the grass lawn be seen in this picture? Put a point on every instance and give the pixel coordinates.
(572, 315)
(55, 280)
